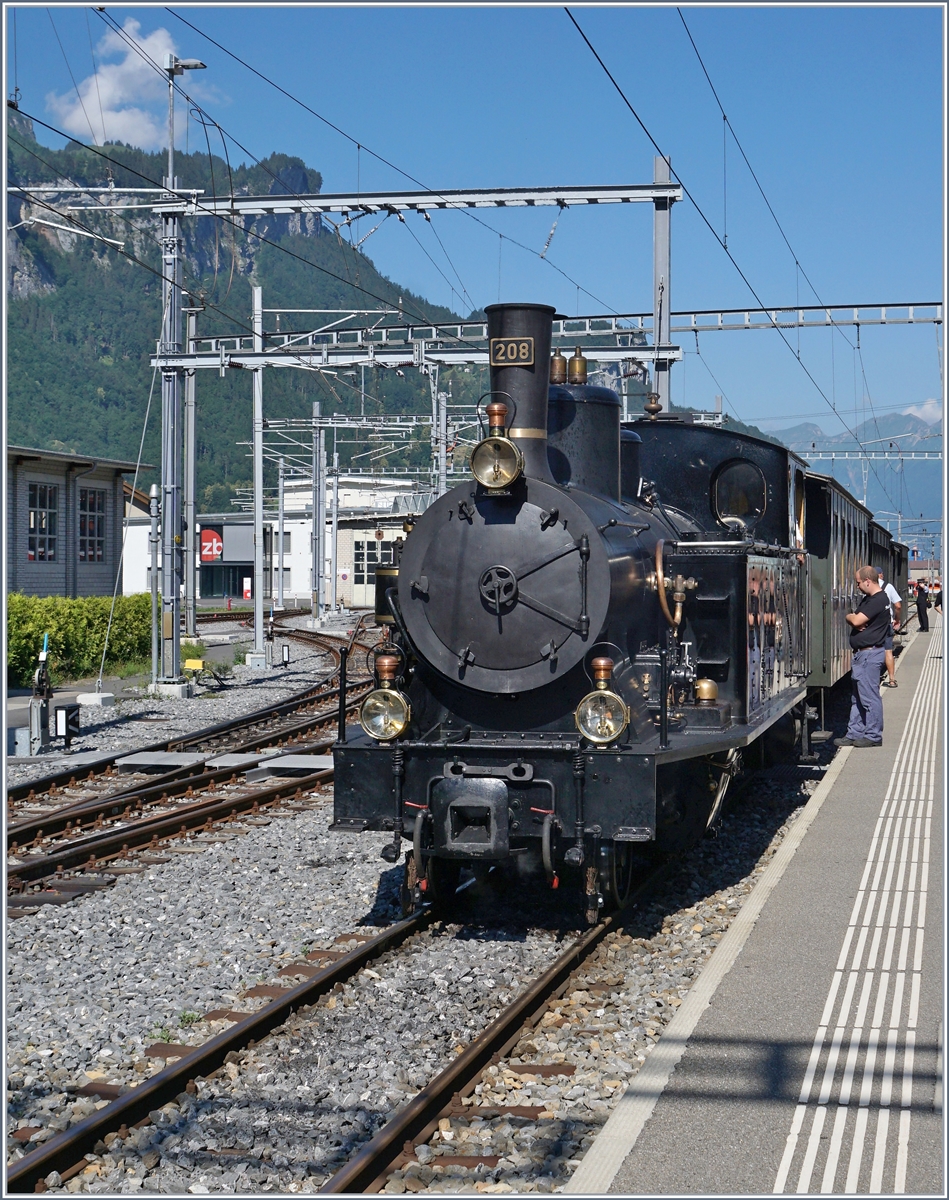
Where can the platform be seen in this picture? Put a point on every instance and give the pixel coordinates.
(808, 1056)
(157, 761)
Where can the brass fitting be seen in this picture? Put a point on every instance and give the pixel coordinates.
(386, 667)
(577, 368)
(497, 411)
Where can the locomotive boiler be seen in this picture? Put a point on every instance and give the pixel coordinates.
(581, 638)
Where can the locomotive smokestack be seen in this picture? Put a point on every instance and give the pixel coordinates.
(519, 353)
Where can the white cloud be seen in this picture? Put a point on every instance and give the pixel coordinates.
(930, 412)
(126, 100)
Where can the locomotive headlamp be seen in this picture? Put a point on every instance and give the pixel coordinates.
(601, 715)
(496, 462)
(385, 713)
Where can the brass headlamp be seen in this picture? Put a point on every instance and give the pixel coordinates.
(385, 712)
(496, 462)
(601, 715)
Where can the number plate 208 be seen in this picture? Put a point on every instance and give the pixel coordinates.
(507, 352)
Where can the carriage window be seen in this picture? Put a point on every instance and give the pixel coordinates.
(799, 509)
(740, 492)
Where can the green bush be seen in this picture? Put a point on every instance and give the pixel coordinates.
(76, 631)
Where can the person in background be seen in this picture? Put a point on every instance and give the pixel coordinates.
(868, 630)
(922, 604)
(937, 597)
(895, 602)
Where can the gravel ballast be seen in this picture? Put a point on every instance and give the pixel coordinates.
(138, 719)
(92, 984)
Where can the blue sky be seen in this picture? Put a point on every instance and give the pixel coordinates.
(839, 109)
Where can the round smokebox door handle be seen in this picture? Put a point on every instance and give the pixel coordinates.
(498, 586)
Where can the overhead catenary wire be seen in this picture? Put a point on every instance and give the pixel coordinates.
(16, 68)
(380, 158)
(191, 101)
(109, 20)
(72, 77)
(125, 532)
(95, 76)
(104, 210)
(718, 239)
(244, 328)
(422, 318)
(80, 228)
(798, 269)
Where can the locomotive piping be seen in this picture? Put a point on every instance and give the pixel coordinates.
(661, 589)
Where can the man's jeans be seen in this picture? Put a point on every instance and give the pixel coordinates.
(866, 704)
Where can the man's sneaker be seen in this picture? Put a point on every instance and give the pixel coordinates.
(844, 741)
(865, 742)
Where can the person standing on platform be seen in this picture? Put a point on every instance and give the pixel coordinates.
(937, 597)
(922, 605)
(895, 602)
(868, 630)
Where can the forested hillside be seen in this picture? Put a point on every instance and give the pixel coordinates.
(84, 317)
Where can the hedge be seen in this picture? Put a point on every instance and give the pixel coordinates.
(76, 631)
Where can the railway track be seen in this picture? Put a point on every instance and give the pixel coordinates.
(476, 1100)
(157, 816)
(448, 1092)
(275, 725)
(80, 825)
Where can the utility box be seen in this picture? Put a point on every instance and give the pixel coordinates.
(67, 721)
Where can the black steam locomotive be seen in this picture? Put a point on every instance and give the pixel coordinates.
(584, 637)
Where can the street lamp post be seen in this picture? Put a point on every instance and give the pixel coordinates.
(172, 527)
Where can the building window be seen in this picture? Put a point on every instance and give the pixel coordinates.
(367, 555)
(44, 514)
(91, 525)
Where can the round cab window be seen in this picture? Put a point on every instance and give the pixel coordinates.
(740, 494)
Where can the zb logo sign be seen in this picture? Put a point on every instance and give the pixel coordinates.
(511, 352)
(212, 545)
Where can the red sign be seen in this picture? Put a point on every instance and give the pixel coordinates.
(212, 545)
(247, 589)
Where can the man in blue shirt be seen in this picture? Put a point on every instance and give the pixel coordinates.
(868, 630)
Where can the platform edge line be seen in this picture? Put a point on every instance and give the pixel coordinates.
(625, 1124)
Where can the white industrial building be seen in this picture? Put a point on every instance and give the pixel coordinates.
(371, 512)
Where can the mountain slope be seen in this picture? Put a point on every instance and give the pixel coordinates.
(83, 318)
